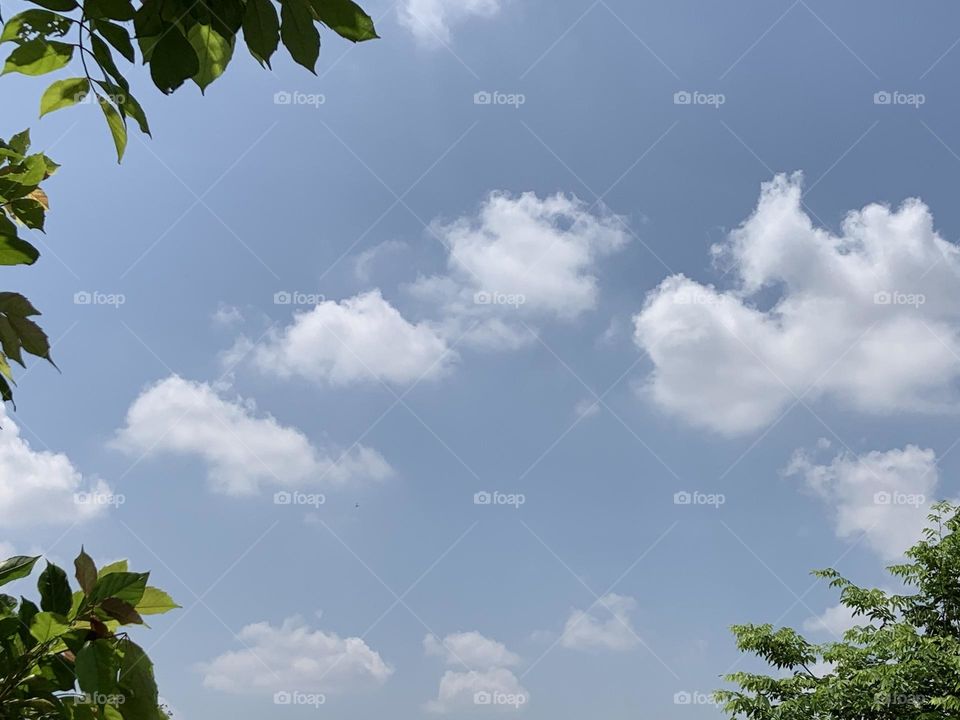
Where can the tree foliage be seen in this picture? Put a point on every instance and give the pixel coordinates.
(901, 663)
(68, 658)
(179, 40)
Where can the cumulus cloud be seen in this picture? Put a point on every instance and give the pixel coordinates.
(885, 496)
(362, 339)
(868, 318)
(522, 258)
(605, 626)
(835, 621)
(485, 680)
(39, 487)
(496, 688)
(242, 450)
(431, 21)
(515, 262)
(471, 649)
(295, 658)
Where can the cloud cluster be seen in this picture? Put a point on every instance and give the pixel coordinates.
(884, 496)
(242, 451)
(518, 261)
(295, 658)
(431, 21)
(868, 318)
(485, 677)
(605, 626)
(39, 487)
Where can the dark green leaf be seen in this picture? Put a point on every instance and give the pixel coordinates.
(117, 36)
(97, 666)
(345, 18)
(126, 586)
(55, 593)
(172, 60)
(16, 568)
(118, 128)
(86, 571)
(261, 29)
(298, 32)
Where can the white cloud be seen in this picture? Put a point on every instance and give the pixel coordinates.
(834, 621)
(292, 657)
(884, 495)
(227, 316)
(357, 340)
(486, 680)
(471, 649)
(520, 259)
(40, 487)
(868, 317)
(497, 688)
(242, 451)
(605, 626)
(430, 21)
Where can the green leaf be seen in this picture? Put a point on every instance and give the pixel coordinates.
(21, 142)
(298, 32)
(97, 666)
(32, 338)
(138, 683)
(14, 251)
(172, 60)
(118, 128)
(38, 57)
(120, 566)
(13, 303)
(58, 5)
(63, 93)
(86, 571)
(101, 51)
(126, 586)
(33, 24)
(127, 104)
(28, 211)
(114, 9)
(213, 53)
(55, 593)
(16, 568)
(118, 37)
(345, 18)
(261, 29)
(155, 602)
(46, 626)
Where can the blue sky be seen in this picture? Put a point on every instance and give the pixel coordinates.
(582, 297)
